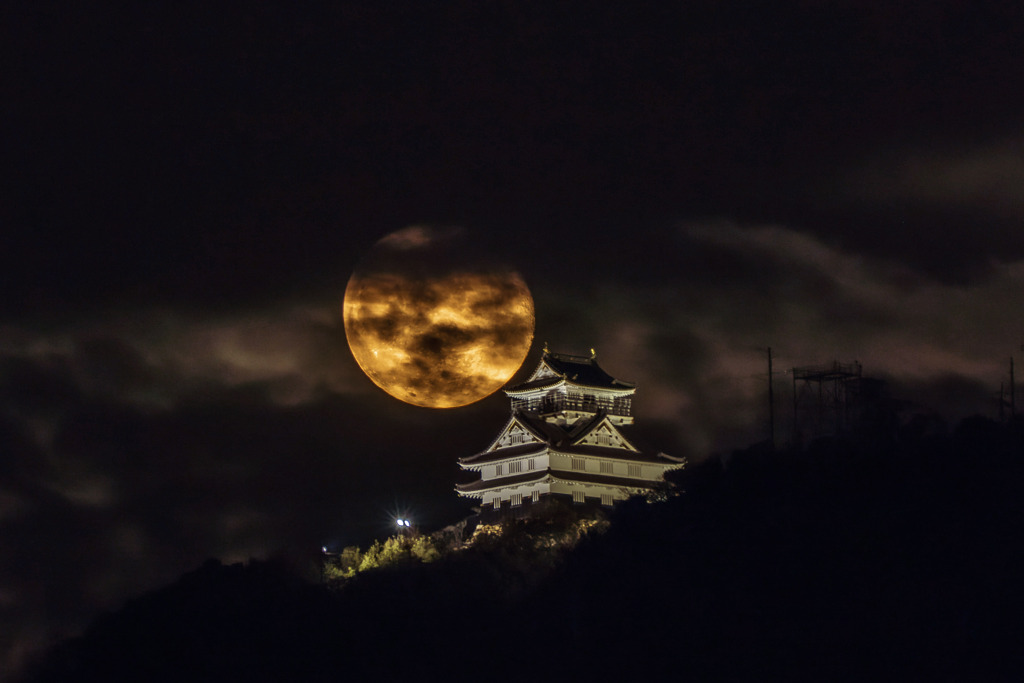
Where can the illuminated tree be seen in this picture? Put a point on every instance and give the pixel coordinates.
(424, 550)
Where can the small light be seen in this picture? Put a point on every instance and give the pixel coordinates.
(323, 548)
(401, 522)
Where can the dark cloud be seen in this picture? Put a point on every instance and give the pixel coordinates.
(500, 293)
(441, 338)
(36, 388)
(109, 498)
(192, 150)
(111, 366)
(190, 188)
(698, 351)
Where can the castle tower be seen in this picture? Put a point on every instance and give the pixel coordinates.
(564, 439)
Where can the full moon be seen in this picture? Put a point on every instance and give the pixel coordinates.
(433, 325)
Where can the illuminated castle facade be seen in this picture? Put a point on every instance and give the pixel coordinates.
(564, 439)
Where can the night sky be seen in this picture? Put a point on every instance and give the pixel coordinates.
(188, 188)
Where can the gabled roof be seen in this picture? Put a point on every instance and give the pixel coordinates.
(581, 370)
(516, 419)
(548, 431)
(584, 427)
(550, 434)
(568, 441)
(544, 431)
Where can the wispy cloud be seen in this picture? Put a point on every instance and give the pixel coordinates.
(153, 358)
(697, 348)
(985, 177)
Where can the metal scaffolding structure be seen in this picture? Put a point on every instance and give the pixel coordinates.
(826, 399)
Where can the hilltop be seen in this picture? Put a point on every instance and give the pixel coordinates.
(845, 560)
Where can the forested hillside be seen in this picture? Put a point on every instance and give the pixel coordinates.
(849, 559)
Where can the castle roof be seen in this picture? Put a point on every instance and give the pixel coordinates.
(594, 478)
(481, 484)
(535, 477)
(580, 370)
(505, 453)
(548, 431)
(555, 436)
(538, 448)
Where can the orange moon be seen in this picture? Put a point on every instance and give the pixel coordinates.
(433, 326)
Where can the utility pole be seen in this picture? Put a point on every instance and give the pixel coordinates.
(796, 415)
(1013, 393)
(771, 400)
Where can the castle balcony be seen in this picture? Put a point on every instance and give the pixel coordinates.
(551, 404)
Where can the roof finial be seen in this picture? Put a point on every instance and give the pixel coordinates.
(546, 350)
(593, 353)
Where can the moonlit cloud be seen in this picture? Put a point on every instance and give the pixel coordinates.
(154, 358)
(681, 189)
(160, 429)
(987, 178)
(701, 364)
(417, 237)
(105, 470)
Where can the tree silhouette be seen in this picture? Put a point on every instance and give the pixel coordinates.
(851, 558)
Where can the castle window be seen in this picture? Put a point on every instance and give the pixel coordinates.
(577, 496)
(607, 468)
(634, 470)
(517, 499)
(532, 464)
(606, 499)
(497, 503)
(535, 496)
(604, 439)
(514, 467)
(499, 470)
(578, 464)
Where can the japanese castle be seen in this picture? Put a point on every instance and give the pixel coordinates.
(564, 439)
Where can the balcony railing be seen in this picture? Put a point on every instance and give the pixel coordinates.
(557, 404)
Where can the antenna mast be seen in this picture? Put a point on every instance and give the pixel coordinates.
(771, 400)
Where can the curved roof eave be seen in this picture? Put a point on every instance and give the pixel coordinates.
(485, 485)
(543, 383)
(487, 457)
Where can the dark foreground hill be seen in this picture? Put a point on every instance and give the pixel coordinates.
(846, 561)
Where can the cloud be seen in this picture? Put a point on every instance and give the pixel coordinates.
(900, 323)
(154, 358)
(986, 178)
(697, 346)
(140, 443)
(418, 237)
(129, 454)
